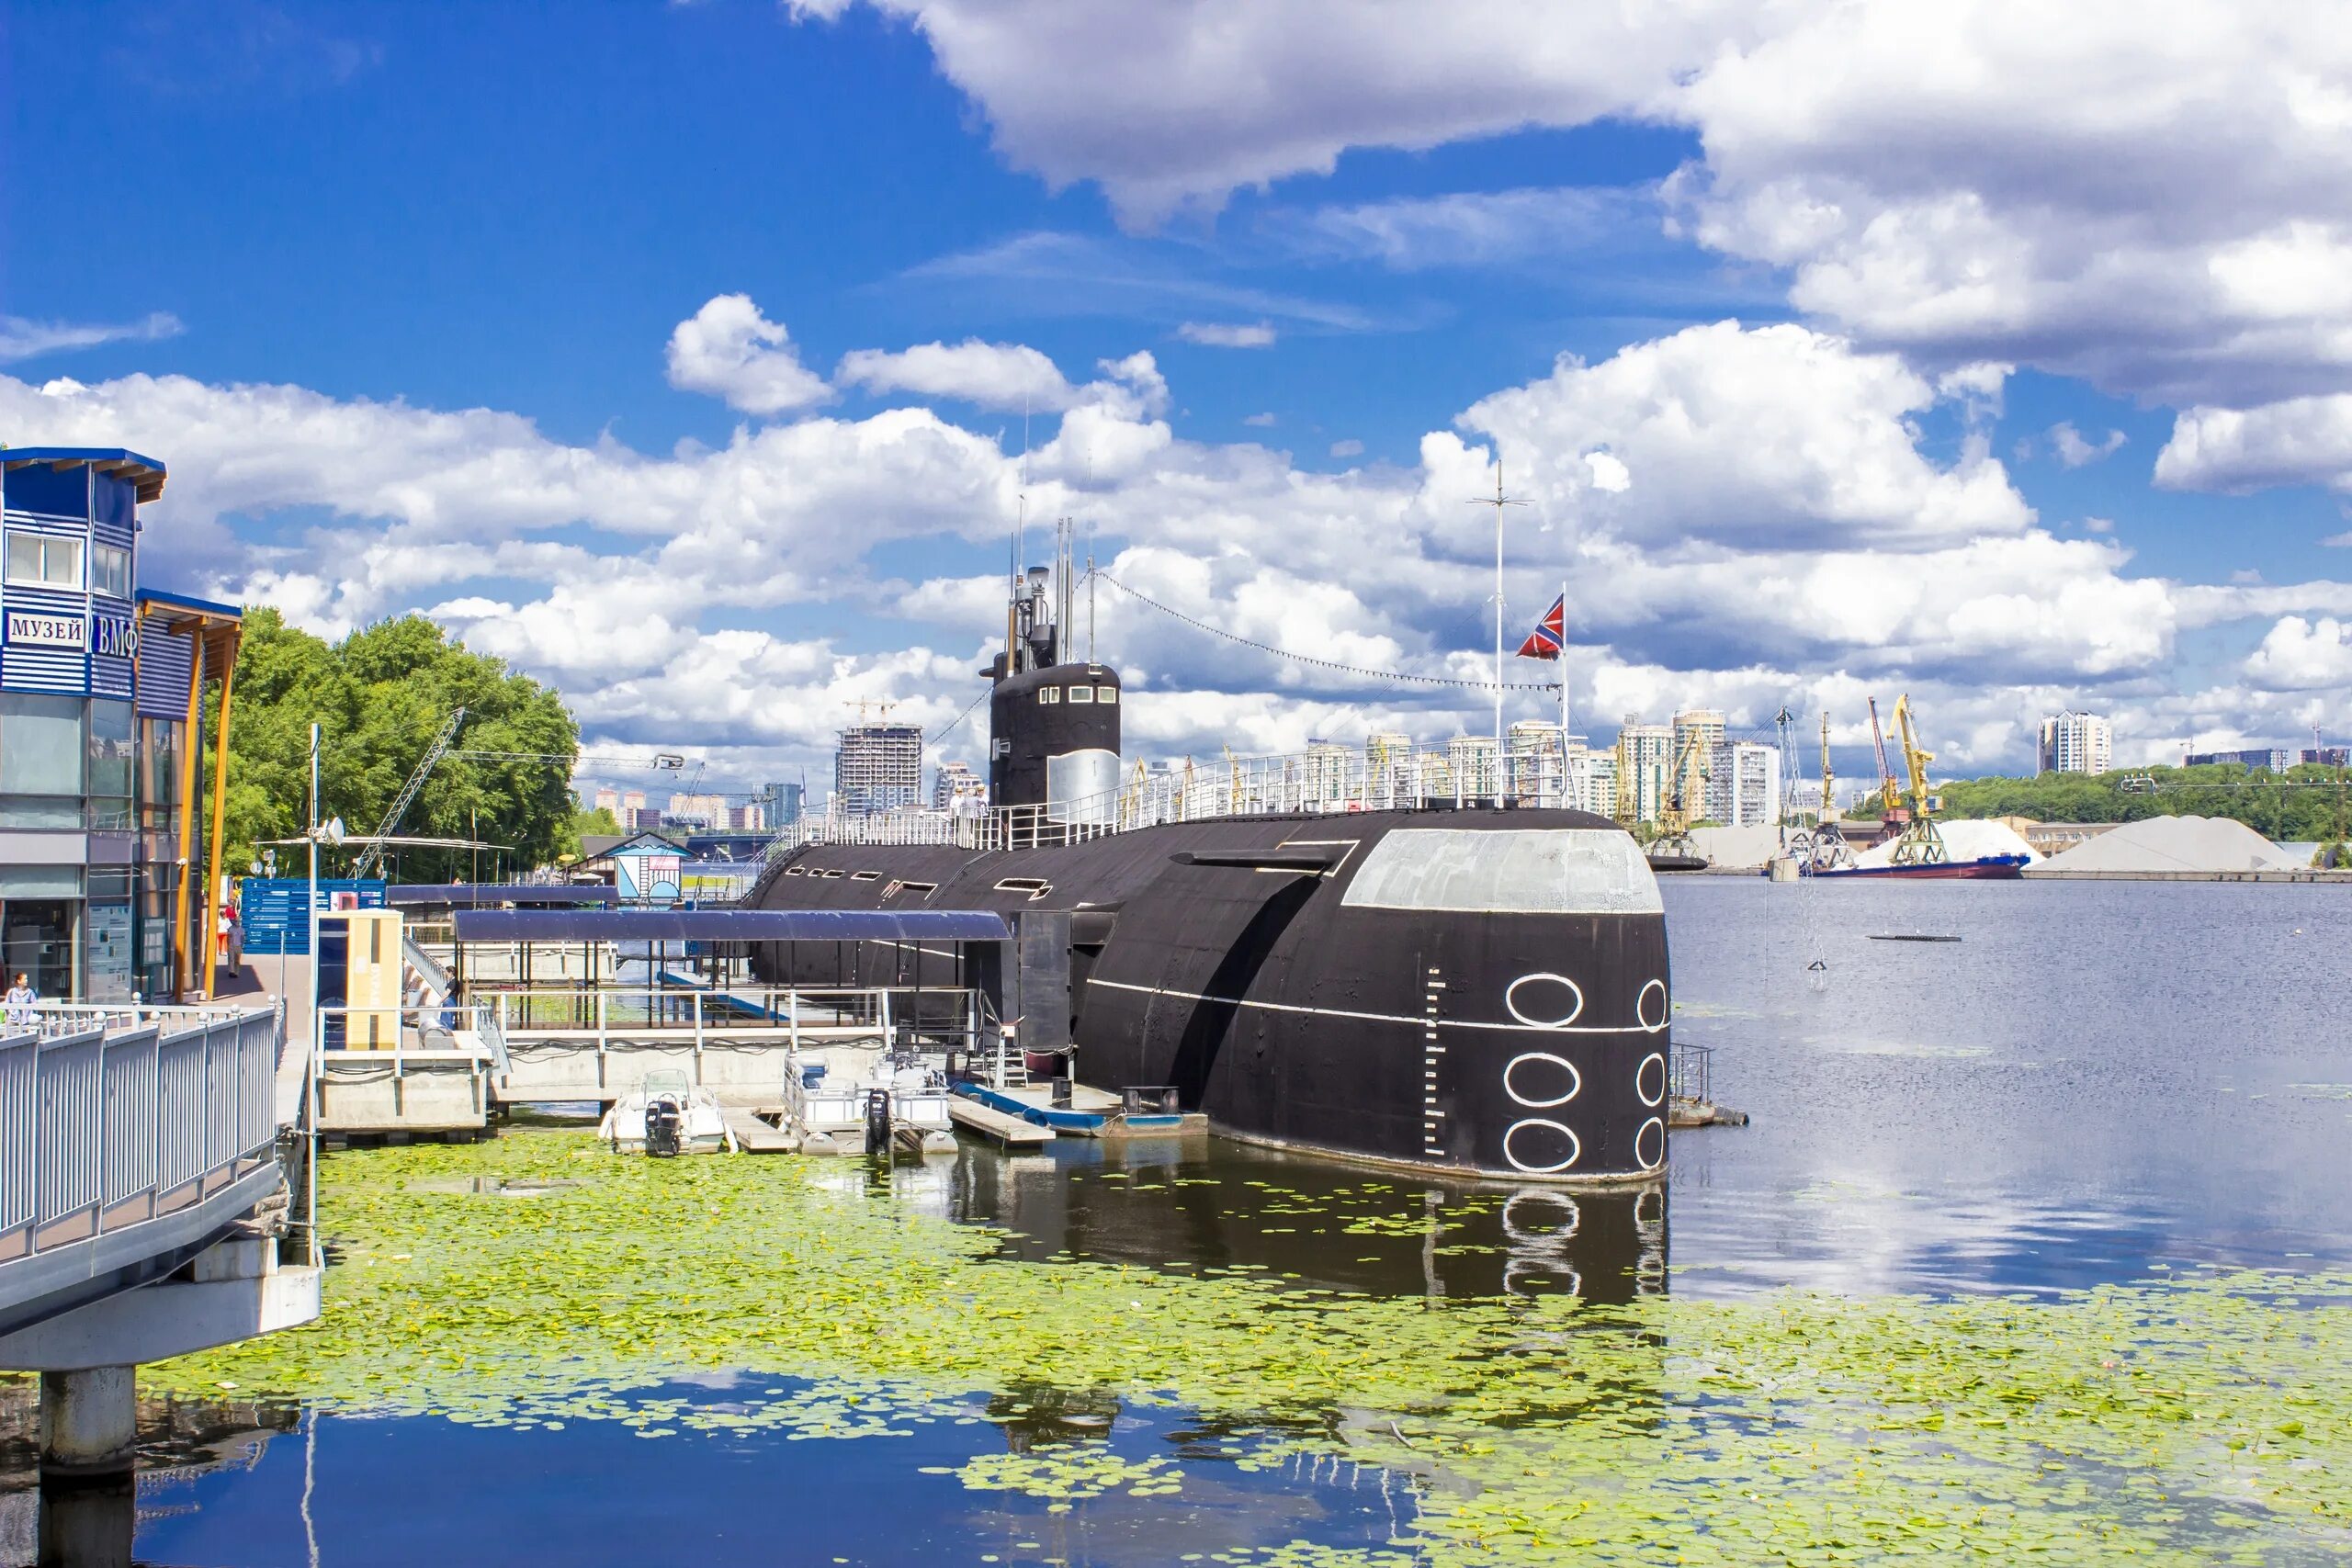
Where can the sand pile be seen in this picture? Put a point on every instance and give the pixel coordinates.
(2176, 844)
(1964, 840)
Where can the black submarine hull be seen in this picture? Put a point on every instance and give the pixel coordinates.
(1393, 986)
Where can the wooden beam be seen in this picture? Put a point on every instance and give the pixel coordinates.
(227, 636)
(191, 746)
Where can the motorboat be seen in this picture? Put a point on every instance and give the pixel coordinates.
(665, 1115)
(894, 1101)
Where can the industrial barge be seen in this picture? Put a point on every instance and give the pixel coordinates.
(1480, 991)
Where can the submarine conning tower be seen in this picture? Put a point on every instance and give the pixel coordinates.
(1052, 725)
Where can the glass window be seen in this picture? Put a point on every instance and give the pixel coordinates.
(1106, 693)
(40, 743)
(1081, 693)
(111, 571)
(110, 730)
(1553, 871)
(1049, 694)
(44, 562)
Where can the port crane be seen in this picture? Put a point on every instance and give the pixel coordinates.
(1891, 810)
(1827, 849)
(373, 856)
(1922, 843)
(1678, 811)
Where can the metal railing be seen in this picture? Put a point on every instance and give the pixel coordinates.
(369, 1038)
(943, 1017)
(106, 1125)
(1691, 1074)
(1322, 780)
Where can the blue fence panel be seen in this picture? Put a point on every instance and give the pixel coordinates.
(275, 918)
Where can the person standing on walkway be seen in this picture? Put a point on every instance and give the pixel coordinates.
(19, 1003)
(233, 937)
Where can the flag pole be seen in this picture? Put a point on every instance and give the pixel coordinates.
(1564, 692)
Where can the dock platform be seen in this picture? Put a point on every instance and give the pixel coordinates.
(754, 1137)
(1092, 1113)
(998, 1127)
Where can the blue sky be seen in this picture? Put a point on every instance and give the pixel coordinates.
(309, 240)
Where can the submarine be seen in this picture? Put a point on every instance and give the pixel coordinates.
(1479, 991)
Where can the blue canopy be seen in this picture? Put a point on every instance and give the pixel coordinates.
(472, 895)
(730, 925)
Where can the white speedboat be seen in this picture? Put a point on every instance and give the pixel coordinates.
(858, 1100)
(666, 1114)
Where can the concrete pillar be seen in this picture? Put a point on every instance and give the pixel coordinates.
(88, 1525)
(89, 1423)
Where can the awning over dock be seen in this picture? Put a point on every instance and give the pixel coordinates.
(490, 895)
(730, 925)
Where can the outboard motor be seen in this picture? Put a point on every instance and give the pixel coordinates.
(877, 1121)
(663, 1127)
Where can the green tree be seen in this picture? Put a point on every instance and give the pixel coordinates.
(380, 698)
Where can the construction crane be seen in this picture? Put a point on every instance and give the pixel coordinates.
(1890, 791)
(1922, 843)
(373, 856)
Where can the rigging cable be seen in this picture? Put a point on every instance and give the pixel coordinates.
(1323, 663)
(936, 736)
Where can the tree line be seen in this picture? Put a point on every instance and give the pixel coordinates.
(380, 696)
(2308, 803)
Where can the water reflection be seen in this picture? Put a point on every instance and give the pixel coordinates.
(1204, 1205)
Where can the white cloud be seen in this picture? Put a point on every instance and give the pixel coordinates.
(24, 339)
(1228, 335)
(1260, 420)
(2148, 196)
(1731, 509)
(1469, 229)
(1747, 436)
(987, 374)
(1346, 449)
(1172, 105)
(2074, 451)
(2297, 654)
(2298, 441)
(729, 350)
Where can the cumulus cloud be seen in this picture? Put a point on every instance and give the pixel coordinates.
(1259, 420)
(2150, 197)
(2297, 655)
(24, 339)
(1346, 449)
(1228, 335)
(2297, 441)
(2075, 451)
(1752, 513)
(987, 374)
(1754, 436)
(731, 351)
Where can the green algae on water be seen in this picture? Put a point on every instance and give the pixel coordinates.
(2203, 1419)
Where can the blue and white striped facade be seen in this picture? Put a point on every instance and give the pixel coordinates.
(95, 676)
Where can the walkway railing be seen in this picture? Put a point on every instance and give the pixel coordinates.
(107, 1120)
(1323, 779)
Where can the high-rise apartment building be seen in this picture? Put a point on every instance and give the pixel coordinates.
(1388, 767)
(1476, 766)
(1592, 779)
(1697, 733)
(2076, 743)
(1535, 762)
(877, 768)
(1744, 784)
(782, 803)
(956, 787)
(1645, 752)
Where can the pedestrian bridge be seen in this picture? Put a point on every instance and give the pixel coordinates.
(143, 1192)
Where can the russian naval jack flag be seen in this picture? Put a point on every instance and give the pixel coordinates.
(1550, 633)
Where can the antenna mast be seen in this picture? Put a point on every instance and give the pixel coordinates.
(1499, 500)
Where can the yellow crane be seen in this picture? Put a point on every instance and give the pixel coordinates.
(1922, 843)
(1828, 780)
(1678, 811)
